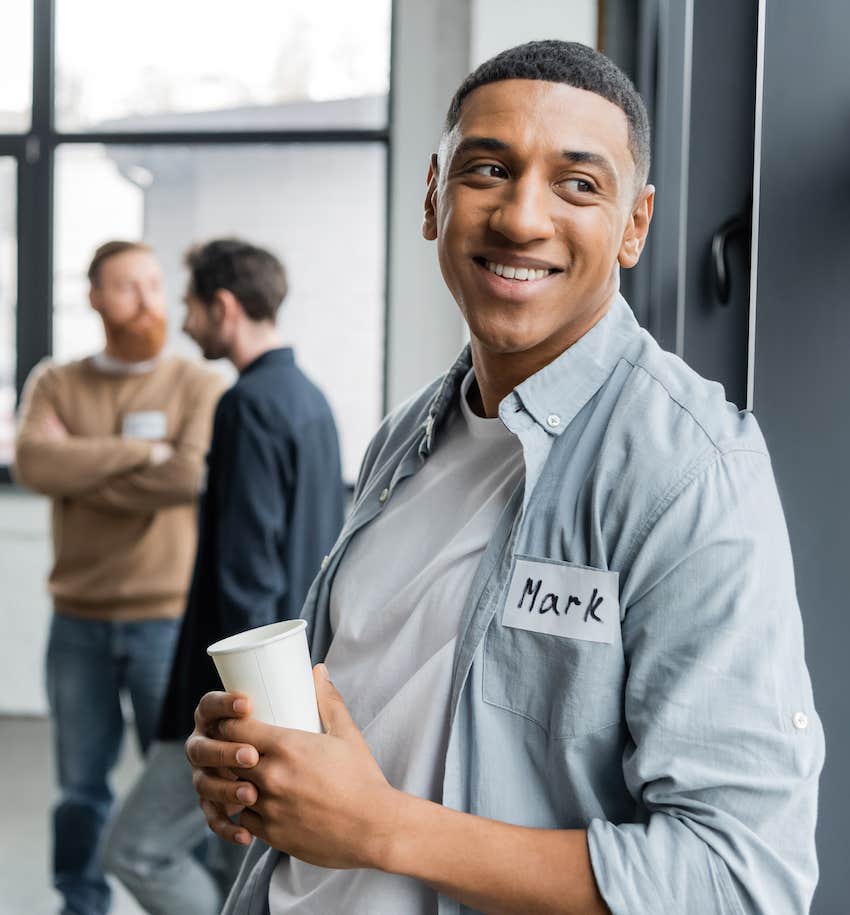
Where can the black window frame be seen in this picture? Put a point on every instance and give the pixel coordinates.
(35, 154)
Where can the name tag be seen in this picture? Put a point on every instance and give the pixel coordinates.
(151, 425)
(574, 602)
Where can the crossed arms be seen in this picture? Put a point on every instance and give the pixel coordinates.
(109, 472)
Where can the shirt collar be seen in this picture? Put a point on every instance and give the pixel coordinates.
(110, 365)
(280, 355)
(555, 394)
(444, 398)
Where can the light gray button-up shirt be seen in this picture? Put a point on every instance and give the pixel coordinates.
(680, 732)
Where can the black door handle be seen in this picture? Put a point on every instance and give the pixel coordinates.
(737, 225)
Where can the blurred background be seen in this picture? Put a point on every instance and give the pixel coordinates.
(307, 129)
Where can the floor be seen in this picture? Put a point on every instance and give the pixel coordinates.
(26, 773)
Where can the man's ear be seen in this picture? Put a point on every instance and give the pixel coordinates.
(225, 308)
(637, 227)
(94, 299)
(429, 222)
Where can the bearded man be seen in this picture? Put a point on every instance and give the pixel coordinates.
(117, 440)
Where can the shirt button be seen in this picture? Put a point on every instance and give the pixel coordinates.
(800, 720)
(325, 562)
(553, 420)
(384, 496)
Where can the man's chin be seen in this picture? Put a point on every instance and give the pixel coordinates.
(136, 345)
(505, 341)
(137, 351)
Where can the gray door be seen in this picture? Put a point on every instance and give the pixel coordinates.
(751, 107)
(800, 365)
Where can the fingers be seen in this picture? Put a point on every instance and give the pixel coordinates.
(223, 792)
(222, 826)
(333, 711)
(265, 737)
(213, 710)
(253, 822)
(217, 705)
(206, 753)
(160, 453)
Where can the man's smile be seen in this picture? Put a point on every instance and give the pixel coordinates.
(510, 274)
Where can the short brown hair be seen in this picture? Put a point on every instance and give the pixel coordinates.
(254, 276)
(111, 249)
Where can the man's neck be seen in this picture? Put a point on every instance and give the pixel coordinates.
(497, 374)
(254, 340)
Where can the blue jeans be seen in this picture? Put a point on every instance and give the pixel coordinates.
(150, 841)
(88, 663)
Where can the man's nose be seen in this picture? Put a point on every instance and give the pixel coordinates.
(523, 215)
(149, 300)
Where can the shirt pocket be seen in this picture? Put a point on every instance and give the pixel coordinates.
(568, 687)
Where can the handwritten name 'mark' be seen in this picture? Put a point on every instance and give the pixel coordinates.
(552, 602)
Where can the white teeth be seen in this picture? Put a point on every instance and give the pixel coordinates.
(516, 273)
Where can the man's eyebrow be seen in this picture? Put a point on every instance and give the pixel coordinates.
(578, 157)
(484, 144)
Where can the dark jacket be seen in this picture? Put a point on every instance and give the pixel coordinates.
(272, 509)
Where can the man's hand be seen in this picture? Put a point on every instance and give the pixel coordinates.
(160, 453)
(319, 797)
(53, 428)
(221, 762)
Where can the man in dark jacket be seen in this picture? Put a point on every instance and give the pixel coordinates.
(272, 509)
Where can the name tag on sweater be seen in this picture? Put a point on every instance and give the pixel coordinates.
(151, 425)
(574, 602)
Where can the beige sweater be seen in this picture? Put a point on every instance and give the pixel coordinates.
(124, 531)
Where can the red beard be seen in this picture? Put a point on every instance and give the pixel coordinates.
(137, 340)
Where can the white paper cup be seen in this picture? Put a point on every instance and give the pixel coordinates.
(271, 664)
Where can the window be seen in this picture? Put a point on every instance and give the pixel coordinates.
(8, 298)
(299, 200)
(221, 66)
(176, 126)
(16, 67)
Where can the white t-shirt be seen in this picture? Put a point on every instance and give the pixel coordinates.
(395, 609)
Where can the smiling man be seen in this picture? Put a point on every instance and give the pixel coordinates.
(567, 657)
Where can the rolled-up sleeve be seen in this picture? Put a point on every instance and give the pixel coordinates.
(726, 747)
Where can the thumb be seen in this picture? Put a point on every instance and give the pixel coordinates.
(333, 711)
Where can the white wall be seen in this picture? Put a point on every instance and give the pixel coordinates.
(430, 58)
(24, 607)
(501, 24)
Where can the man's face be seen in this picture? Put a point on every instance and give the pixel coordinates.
(203, 323)
(533, 207)
(130, 298)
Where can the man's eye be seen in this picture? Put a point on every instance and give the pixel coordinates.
(489, 171)
(580, 185)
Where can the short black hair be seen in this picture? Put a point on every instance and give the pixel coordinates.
(254, 276)
(575, 65)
